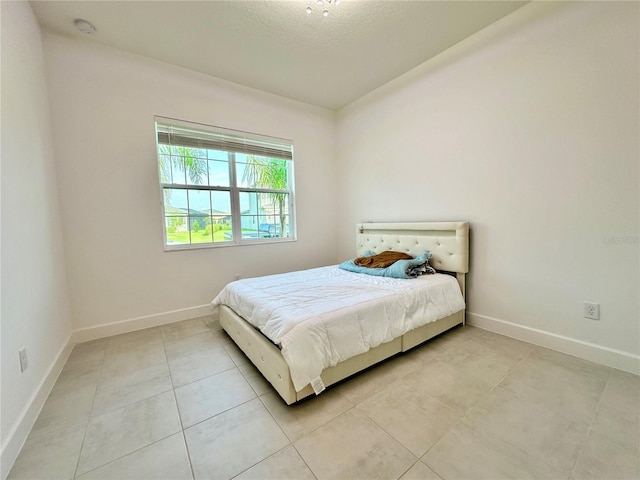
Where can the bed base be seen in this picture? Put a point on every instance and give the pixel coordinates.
(268, 359)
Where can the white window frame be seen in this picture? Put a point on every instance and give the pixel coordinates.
(239, 142)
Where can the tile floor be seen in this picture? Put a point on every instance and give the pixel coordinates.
(182, 402)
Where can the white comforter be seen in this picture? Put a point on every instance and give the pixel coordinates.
(322, 316)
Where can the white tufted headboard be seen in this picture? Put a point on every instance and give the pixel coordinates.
(448, 243)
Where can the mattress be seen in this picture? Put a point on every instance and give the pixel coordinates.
(323, 316)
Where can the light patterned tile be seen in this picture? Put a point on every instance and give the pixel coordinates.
(49, 455)
(479, 361)
(134, 339)
(605, 458)
(445, 342)
(88, 352)
(462, 454)
(165, 459)
(612, 449)
(122, 431)
(79, 374)
(117, 390)
(188, 345)
(510, 347)
(542, 433)
(299, 419)
(363, 385)
(210, 396)
(199, 364)
(352, 446)
(620, 400)
(233, 441)
(551, 386)
(213, 323)
(533, 426)
(420, 471)
(568, 366)
(448, 384)
(185, 328)
(65, 408)
(409, 415)
(125, 357)
(283, 465)
(237, 355)
(252, 375)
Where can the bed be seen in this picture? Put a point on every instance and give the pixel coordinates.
(272, 349)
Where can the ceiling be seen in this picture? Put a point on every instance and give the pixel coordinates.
(274, 46)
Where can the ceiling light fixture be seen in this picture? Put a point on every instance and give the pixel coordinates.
(84, 26)
(324, 5)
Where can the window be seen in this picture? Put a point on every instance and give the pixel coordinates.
(223, 187)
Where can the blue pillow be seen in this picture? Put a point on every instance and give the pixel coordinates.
(401, 269)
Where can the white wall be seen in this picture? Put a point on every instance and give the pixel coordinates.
(103, 106)
(35, 312)
(529, 130)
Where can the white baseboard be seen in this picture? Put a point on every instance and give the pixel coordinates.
(16, 438)
(610, 357)
(133, 324)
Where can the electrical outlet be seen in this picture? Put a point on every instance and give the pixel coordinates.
(592, 310)
(24, 362)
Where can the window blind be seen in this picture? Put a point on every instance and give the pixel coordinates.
(223, 139)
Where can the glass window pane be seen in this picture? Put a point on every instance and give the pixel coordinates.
(268, 225)
(199, 202)
(175, 201)
(271, 211)
(223, 231)
(176, 228)
(217, 155)
(274, 227)
(248, 203)
(178, 170)
(262, 172)
(219, 173)
(221, 216)
(249, 225)
(196, 171)
(164, 162)
(201, 229)
(273, 203)
(221, 203)
(241, 176)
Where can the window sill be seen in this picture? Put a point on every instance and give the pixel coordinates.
(201, 246)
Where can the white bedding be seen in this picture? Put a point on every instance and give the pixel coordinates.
(322, 316)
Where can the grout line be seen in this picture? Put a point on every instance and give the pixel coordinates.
(95, 393)
(220, 413)
(410, 467)
(259, 462)
(129, 453)
(91, 415)
(513, 367)
(591, 423)
(303, 459)
(175, 399)
(186, 447)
